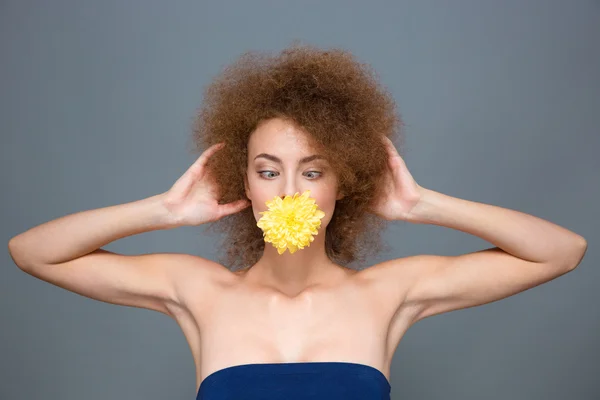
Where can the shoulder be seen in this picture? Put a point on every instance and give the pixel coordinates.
(394, 279)
(196, 279)
(406, 268)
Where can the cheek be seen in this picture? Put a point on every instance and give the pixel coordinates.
(326, 203)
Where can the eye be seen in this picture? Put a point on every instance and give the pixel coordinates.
(314, 172)
(260, 173)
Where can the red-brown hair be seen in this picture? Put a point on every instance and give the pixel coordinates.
(339, 103)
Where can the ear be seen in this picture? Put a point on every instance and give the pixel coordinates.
(340, 196)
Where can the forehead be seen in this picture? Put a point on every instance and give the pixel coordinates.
(279, 136)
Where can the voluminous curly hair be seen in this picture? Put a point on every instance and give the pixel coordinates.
(339, 103)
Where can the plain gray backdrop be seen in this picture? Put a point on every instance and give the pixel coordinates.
(501, 101)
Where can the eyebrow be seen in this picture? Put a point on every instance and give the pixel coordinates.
(302, 160)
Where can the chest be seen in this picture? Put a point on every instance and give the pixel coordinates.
(335, 324)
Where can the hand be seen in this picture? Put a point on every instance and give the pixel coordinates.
(193, 198)
(401, 193)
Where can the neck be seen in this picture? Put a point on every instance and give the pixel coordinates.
(294, 272)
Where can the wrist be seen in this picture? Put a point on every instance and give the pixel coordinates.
(162, 218)
(423, 212)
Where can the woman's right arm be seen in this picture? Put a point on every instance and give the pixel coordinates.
(66, 252)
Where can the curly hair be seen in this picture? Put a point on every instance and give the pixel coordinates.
(339, 103)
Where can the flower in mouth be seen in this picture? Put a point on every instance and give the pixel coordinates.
(290, 223)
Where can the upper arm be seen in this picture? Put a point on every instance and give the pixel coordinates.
(436, 284)
(145, 281)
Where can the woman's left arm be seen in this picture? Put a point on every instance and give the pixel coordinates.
(529, 250)
(519, 234)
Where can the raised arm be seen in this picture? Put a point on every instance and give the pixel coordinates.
(67, 251)
(528, 250)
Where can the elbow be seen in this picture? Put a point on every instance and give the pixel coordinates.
(578, 252)
(12, 251)
(16, 254)
(11, 247)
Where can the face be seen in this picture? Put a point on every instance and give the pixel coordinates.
(281, 162)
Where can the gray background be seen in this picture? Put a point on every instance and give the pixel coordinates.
(501, 102)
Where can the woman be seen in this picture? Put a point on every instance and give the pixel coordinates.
(311, 322)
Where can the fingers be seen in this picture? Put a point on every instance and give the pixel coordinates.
(393, 156)
(390, 145)
(197, 168)
(233, 207)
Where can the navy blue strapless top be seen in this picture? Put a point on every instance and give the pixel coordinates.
(296, 381)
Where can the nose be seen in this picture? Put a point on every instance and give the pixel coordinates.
(290, 189)
(290, 193)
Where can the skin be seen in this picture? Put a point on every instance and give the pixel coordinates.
(266, 179)
(303, 308)
(300, 307)
(292, 307)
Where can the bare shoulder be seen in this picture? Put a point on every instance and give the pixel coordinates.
(196, 278)
(187, 266)
(427, 285)
(406, 268)
(393, 279)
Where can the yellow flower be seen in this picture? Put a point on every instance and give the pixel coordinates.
(290, 223)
